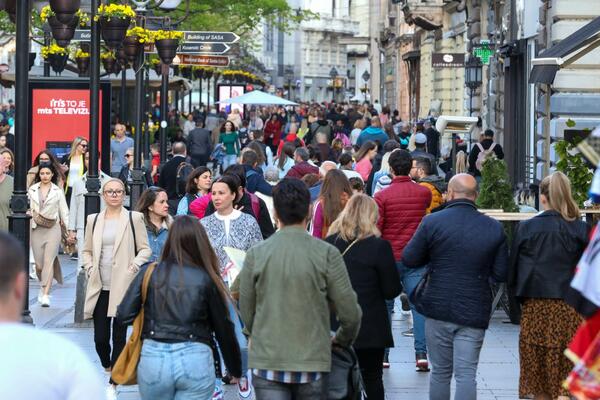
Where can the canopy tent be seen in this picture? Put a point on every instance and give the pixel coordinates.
(565, 53)
(256, 97)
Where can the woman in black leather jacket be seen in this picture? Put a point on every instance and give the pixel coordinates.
(544, 254)
(186, 304)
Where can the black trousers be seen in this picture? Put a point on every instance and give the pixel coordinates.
(199, 160)
(371, 369)
(102, 332)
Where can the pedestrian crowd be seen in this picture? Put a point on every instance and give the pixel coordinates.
(269, 242)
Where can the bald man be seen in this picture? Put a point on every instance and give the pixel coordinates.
(464, 251)
(118, 147)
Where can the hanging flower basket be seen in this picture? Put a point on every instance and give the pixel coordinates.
(109, 64)
(57, 62)
(114, 30)
(122, 57)
(63, 33)
(132, 47)
(216, 75)
(186, 72)
(65, 10)
(83, 65)
(208, 73)
(167, 43)
(199, 73)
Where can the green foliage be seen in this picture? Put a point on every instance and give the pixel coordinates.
(575, 167)
(495, 188)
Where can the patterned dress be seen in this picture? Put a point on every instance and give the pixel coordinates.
(547, 327)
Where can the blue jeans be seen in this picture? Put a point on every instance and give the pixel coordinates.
(230, 159)
(178, 371)
(454, 349)
(241, 338)
(410, 277)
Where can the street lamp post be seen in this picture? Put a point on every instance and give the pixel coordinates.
(19, 203)
(473, 77)
(289, 76)
(164, 110)
(333, 73)
(365, 77)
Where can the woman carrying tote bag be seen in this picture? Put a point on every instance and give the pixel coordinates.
(116, 246)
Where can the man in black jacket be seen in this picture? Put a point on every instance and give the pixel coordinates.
(200, 145)
(486, 143)
(168, 175)
(464, 251)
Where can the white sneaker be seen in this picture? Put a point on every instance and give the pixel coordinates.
(45, 301)
(245, 390)
(111, 392)
(40, 295)
(32, 273)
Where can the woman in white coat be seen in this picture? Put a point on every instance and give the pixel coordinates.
(48, 208)
(116, 246)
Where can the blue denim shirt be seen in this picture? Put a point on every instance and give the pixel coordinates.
(157, 241)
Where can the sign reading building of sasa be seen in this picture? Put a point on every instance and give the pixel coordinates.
(448, 60)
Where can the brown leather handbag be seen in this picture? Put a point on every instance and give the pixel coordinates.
(124, 372)
(42, 221)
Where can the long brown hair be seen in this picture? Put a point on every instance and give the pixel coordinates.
(557, 189)
(334, 186)
(188, 244)
(365, 149)
(144, 203)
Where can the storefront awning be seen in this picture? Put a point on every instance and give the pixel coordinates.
(569, 50)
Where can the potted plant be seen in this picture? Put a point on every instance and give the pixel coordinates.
(61, 32)
(122, 58)
(134, 42)
(186, 72)
(65, 10)
(82, 58)
(114, 21)
(167, 43)
(108, 61)
(216, 74)
(198, 72)
(208, 73)
(156, 65)
(56, 56)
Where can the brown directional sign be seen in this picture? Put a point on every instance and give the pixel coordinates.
(208, 61)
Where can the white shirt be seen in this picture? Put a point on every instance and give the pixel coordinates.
(227, 220)
(42, 365)
(75, 170)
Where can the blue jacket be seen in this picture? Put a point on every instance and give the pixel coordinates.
(157, 242)
(255, 181)
(465, 251)
(372, 133)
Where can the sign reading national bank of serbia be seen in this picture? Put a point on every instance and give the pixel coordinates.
(448, 60)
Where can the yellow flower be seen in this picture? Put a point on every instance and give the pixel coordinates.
(143, 35)
(161, 34)
(83, 17)
(46, 13)
(81, 54)
(53, 49)
(115, 11)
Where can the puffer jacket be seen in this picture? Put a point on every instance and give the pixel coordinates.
(437, 185)
(402, 206)
(464, 250)
(183, 305)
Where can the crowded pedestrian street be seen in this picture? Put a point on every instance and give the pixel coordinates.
(299, 200)
(498, 366)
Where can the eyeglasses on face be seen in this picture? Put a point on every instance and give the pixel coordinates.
(128, 155)
(83, 145)
(114, 193)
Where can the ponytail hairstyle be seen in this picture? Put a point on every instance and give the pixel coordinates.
(557, 189)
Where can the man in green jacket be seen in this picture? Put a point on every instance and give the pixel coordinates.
(286, 288)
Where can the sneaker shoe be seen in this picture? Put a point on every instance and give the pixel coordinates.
(408, 333)
(40, 295)
(111, 392)
(405, 303)
(218, 394)
(245, 390)
(45, 301)
(422, 363)
(386, 361)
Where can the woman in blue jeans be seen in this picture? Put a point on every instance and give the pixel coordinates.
(186, 304)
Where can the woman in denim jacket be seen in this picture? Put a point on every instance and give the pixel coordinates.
(153, 204)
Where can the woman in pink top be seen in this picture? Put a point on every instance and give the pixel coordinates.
(367, 152)
(335, 193)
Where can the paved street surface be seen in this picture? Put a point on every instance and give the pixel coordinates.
(497, 376)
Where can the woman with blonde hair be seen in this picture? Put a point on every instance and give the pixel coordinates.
(544, 254)
(373, 275)
(49, 210)
(115, 248)
(74, 165)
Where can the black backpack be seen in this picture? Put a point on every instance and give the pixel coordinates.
(183, 171)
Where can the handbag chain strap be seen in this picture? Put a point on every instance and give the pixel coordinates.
(348, 248)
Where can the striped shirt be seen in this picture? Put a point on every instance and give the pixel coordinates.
(287, 376)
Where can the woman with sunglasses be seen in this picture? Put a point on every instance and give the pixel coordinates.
(49, 210)
(176, 360)
(153, 204)
(115, 247)
(73, 164)
(230, 227)
(44, 157)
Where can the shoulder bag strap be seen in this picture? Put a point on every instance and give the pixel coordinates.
(348, 248)
(94, 224)
(133, 232)
(146, 282)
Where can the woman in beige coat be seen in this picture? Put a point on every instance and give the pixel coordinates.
(49, 210)
(116, 246)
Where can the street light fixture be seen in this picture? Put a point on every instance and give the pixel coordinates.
(333, 74)
(473, 77)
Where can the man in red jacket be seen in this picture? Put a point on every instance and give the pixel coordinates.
(402, 206)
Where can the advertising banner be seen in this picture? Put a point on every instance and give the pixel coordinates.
(60, 111)
(230, 92)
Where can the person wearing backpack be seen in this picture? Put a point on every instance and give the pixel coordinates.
(173, 176)
(483, 149)
(198, 185)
